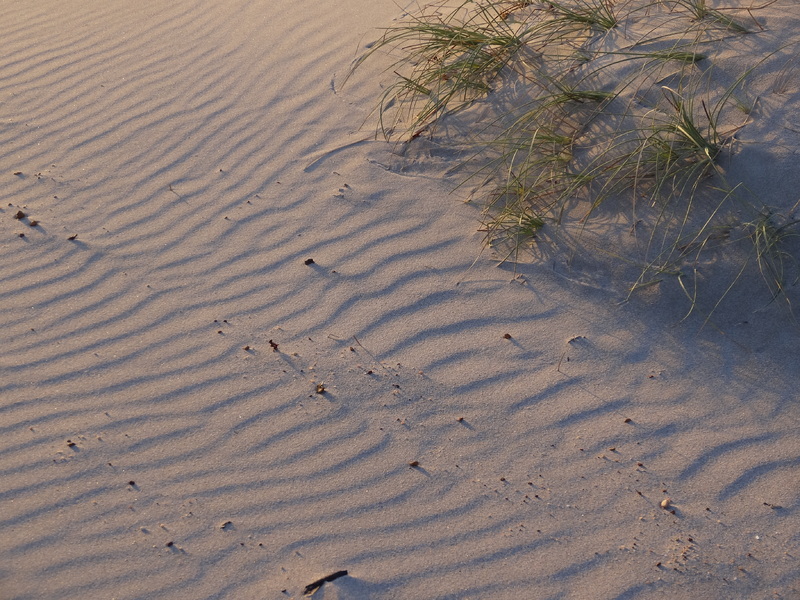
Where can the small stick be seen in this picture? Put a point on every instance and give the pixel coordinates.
(315, 585)
(372, 356)
(558, 368)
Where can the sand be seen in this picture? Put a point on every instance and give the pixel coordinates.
(248, 345)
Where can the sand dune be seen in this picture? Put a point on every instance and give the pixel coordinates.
(162, 431)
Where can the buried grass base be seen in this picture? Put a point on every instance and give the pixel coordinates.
(605, 127)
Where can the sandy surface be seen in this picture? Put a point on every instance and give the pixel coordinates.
(162, 434)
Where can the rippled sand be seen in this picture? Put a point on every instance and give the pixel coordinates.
(190, 408)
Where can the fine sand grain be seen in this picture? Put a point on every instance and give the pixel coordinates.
(245, 346)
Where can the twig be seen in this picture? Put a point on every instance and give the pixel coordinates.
(372, 356)
(315, 585)
(558, 368)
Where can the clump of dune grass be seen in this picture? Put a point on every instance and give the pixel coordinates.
(702, 12)
(610, 106)
(447, 61)
(772, 233)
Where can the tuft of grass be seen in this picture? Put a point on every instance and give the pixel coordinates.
(680, 147)
(595, 14)
(450, 61)
(772, 234)
(700, 11)
(786, 77)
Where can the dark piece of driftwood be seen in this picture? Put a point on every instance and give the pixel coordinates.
(315, 585)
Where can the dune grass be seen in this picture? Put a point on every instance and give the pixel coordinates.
(610, 107)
